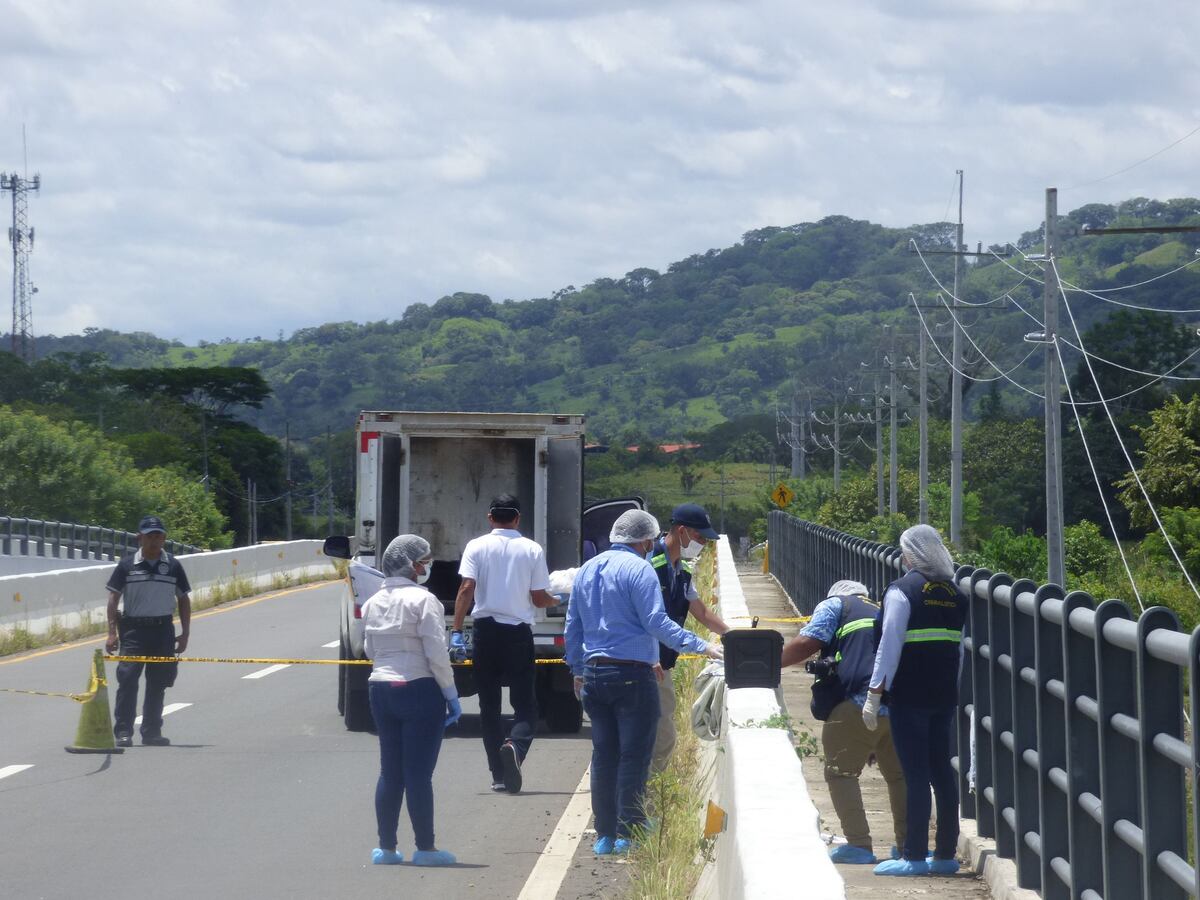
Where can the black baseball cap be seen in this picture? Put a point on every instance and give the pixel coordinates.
(694, 516)
(150, 524)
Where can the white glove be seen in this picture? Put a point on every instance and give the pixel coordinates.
(714, 650)
(871, 710)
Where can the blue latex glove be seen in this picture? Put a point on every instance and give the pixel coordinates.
(458, 646)
(453, 706)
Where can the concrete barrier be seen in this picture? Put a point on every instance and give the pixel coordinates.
(772, 846)
(70, 596)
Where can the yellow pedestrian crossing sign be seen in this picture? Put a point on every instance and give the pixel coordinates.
(782, 495)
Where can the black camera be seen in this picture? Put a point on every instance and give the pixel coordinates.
(822, 668)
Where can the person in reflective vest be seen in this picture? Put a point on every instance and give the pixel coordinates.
(918, 665)
(684, 540)
(844, 631)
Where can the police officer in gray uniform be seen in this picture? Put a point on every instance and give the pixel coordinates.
(151, 581)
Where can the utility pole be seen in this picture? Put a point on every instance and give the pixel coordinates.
(1055, 564)
(722, 482)
(878, 447)
(923, 391)
(329, 472)
(893, 455)
(204, 443)
(287, 432)
(956, 391)
(249, 514)
(20, 236)
(797, 442)
(837, 441)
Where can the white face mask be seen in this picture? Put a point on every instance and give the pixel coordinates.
(692, 550)
(424, 576)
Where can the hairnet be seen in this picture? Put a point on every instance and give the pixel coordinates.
(402, 552)
(926, 553)
(632, 526)
(848, 589)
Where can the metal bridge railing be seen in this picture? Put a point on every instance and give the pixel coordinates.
(1083, 756)
(65, 540)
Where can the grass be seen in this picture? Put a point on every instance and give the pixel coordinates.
(19, 639)
(666, 862)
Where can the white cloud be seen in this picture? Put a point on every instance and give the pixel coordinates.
(229, 169)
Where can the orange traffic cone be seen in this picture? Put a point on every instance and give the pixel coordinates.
(95, 734)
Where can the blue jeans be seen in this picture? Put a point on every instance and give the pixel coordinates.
(924, 743)
(622, 703)
(410, 719)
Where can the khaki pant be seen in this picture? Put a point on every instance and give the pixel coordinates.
(848, 744)
(664, 738)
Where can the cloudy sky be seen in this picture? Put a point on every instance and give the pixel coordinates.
(223, 168)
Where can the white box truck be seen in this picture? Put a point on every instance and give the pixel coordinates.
(434, 474)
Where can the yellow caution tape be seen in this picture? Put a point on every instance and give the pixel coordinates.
(95, 685)
(766, 619)
(292, 662)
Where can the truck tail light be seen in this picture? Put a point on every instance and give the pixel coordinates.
(357, 610)
(559, 641)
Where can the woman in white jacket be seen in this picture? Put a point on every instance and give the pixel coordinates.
(412, 694)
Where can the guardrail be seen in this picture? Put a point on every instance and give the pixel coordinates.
(66, 540)
(1075, 711)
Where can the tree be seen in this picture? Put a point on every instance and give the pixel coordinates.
(1170, 467)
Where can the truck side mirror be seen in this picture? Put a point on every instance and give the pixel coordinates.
(337, 546)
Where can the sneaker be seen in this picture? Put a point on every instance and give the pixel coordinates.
(386, 857)
(155, 740)
(621, 847)
(433, 858)
(848, 854)
(512, 767)
(941, 866)
(124, 740)
(603, 845)
(905, 868)
(498, 787)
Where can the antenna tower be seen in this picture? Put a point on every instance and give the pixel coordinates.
(20, 236)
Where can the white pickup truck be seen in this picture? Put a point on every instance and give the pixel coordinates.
(433, 474)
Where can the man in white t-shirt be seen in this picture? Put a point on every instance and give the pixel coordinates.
(504, 579)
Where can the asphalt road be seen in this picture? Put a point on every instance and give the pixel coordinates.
(263, 793)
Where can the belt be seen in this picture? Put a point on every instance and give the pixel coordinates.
(147, 620)
(609, 661)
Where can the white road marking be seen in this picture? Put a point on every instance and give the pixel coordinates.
(555, 859)
(13, 770)
(263, 673)
(331, 644)
(167, 710)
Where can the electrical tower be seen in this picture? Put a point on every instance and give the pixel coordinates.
(20, 236)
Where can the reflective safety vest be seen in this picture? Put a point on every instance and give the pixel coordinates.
(674, 584)
(853, 645)
(927, 677)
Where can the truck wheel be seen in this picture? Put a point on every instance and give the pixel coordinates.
(564, 715)
(356, 708)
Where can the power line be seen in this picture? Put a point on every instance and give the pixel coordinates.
(1121, 443)
(1126, 287)
(1024, 277)
(1098, 296)
(1096, 476)
(1156, 153)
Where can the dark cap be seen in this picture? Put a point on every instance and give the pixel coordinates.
(150, 524)
(693, 516)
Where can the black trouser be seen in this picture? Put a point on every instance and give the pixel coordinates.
(504, 656)
(141, 639)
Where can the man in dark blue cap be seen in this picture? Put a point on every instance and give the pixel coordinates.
(690, 529)
(151, 582)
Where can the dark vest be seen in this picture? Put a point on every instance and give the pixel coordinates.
(927, 677)
(674, 593)
(854, 643)
(852, 649)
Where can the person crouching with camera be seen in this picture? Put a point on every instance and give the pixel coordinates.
(844, 631)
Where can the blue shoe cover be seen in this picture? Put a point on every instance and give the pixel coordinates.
(902, 867)
(848, 854)
(386, 857)
(433, 858)
(942, 866)
(603, 845)
(621, 847)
